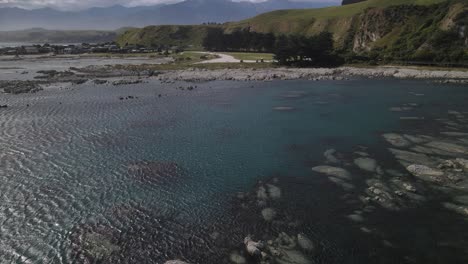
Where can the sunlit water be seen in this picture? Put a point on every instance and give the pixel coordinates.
(66, 170)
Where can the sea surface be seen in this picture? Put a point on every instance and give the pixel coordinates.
(151, 172)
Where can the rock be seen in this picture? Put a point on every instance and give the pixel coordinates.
(293, 257)
(422, 170)
(333, 171)
(366, 164)
(268, 214)
(274, 192)
(99, 81)
(283, 108)
(126, 82)
(409, 187)
(448, 147)
(342, 183)
(361, 153)
(407, 158)
(356, 217)
(284, 241)
(175, 262)
(462, 162)
(450, 165)
(253, 248)
(236, 258)
(396, 140)
(214, 235)
(261, 193)
(305, 243)
(329, 155)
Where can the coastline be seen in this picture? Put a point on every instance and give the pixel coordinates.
(341, 73)
(25, 79)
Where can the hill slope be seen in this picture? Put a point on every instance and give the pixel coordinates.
(365, 25)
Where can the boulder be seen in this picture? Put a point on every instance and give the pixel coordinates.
(253, 248)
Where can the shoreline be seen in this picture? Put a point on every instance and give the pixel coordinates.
(129, 74)
(316, 74)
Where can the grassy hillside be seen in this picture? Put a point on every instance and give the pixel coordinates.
(337, 19)
(434, 30)
(187, 36)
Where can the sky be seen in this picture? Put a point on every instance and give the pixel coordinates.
(83, 4)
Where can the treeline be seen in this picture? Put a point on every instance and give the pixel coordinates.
(239, 40)
(293, 50)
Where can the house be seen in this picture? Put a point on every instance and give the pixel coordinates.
(31, 50)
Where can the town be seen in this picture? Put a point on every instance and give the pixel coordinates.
(59, 49)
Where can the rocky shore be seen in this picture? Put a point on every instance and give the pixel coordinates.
(132, 74)
(342, 73)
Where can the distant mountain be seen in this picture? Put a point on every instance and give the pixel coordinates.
(107, 18)
(40, 36)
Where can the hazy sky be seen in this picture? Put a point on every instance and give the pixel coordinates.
(82, 4)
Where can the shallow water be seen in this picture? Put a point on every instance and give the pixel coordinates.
(153, 177)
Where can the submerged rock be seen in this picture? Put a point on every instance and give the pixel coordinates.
(268, 214)
(274, 191)
(293, 257)
(305, 243)
(448, 147)
(396, 140)
(366, 164)
(253, 248)
(261, 193)
(330, 156)
(154, 172)
(175, 262)
(283, 108)
(356, 217)
(422, 170)
(236, 258)
(342, 183)
(333, 171)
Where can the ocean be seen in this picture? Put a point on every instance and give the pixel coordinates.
(150, 172)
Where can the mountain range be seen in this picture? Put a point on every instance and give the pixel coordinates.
(114, 17)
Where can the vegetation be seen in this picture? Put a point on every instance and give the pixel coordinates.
(419, 32)
(297, 50)
(186, 37)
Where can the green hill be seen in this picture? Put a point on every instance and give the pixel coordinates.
(397, 29)
(187, 36)
(343, 21)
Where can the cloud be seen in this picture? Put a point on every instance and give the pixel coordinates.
(77, 4)
(83, 4)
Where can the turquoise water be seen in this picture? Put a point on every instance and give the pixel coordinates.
(66, 169)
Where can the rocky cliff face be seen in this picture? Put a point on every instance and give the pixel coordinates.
(384, 26)
(373, 25)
